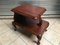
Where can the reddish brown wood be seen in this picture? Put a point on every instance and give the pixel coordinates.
(29, 18)
(29, 10)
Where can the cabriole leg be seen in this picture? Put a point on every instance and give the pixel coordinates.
(13, 23)
(39, 38)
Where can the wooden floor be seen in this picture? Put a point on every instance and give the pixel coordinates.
(10, 37)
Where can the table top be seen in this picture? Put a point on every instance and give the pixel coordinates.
(29, 10)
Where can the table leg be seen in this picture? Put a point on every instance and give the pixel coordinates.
(13, 23)
(39, 38)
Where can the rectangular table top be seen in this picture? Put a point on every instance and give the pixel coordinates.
(29, 10)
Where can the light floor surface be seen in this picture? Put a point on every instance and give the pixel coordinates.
(10, 37)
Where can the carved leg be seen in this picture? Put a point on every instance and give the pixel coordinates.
(13, 23)
(39, 38)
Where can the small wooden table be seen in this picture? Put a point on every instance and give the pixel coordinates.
(29, 17)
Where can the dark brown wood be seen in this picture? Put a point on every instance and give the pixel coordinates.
(13, 23)
(29, 18)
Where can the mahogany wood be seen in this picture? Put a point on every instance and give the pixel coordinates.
(29, 18)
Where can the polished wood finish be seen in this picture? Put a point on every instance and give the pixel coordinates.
(29, 10)
(29, 18)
